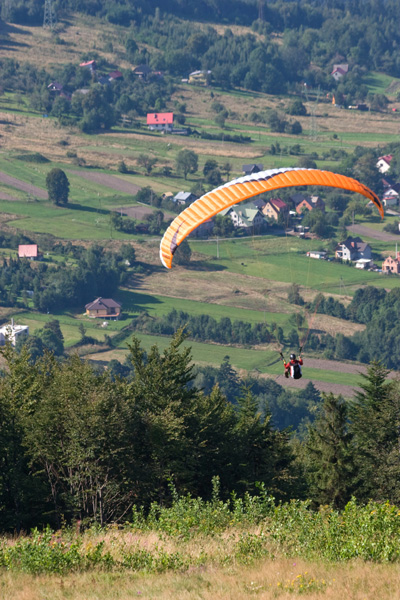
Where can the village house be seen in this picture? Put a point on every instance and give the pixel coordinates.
(115, 75)
(339, 71)
(29, 251)
(390, 197)
(199, 77)
(383, 164)
(12, 333)
(392, 265)
(353, 249)
(253, 168)
(90, 65)
(246, 216)
(160, 121)
(275, 207)
(103, 308)
(141, 71)
(184, 198)
(310, 203)
(56, 87)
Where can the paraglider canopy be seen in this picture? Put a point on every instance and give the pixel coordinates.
(243, 188)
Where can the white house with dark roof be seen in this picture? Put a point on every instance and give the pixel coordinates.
(353, 249)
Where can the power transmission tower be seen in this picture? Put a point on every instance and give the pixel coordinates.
(49, 19)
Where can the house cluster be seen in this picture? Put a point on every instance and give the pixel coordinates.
(256, 214)
(391, 188)
(141, 72)
(356, 251)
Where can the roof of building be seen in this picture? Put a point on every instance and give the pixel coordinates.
(387, 158)
(115, 75)
(90, 63)
(160, 118)
(253, 168)
(278, 203)
(141, 70)
(100, 303)
(55, 86)
(183, 196)
(28, 250)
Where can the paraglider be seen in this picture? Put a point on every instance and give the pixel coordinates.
(244, 188)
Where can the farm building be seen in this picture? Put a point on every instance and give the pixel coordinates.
(319, 254)
(103, 308)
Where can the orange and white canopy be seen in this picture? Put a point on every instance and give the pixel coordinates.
(243, 188)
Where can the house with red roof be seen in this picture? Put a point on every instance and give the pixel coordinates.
(90, 64)
(339, 71)
(310, 203)
(29, 251)
(383, 164)
(160, 121)
(115, 75)
(275, 207)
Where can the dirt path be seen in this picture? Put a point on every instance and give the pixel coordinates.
(372, 233)
(111, 181)
(29, 188)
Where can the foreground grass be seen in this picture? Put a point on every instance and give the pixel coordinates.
(215, 549)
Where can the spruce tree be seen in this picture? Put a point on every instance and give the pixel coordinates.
(375, 424)
(327, 454)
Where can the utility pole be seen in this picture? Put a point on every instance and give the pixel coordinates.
(49, 20)
(217, 247)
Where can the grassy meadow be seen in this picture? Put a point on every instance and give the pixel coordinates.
(215, 549)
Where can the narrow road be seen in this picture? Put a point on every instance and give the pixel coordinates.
(382, 236)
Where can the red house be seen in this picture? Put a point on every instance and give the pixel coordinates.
(160, 121)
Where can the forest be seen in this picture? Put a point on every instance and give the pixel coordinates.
(79, 444)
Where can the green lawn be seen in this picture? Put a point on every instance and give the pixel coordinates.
(248, 359)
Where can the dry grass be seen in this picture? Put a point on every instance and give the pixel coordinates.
(81, 34)
(265, 580)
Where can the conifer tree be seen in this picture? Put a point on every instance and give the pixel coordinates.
(327, 458)
(375, 424)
